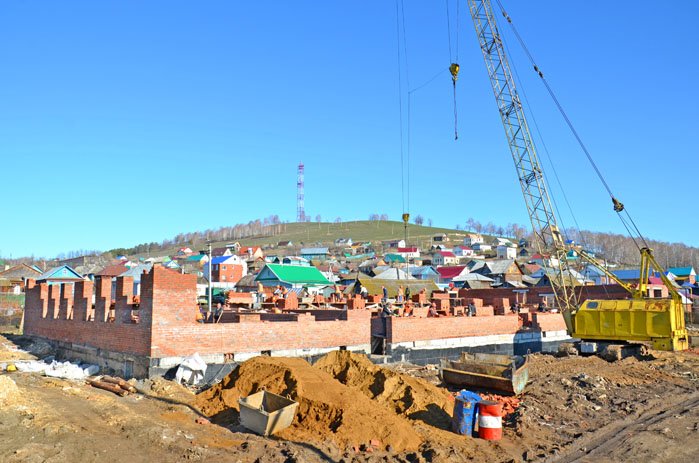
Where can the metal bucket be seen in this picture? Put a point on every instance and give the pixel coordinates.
(464, 418)
(266, 413)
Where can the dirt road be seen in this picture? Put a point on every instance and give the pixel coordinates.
(575, 409)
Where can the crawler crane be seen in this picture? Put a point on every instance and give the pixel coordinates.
(623, 324)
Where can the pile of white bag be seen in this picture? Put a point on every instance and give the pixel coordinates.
(55, 369)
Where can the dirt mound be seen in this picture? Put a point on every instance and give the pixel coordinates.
(327, 409)
(412, 397)
(9, 392)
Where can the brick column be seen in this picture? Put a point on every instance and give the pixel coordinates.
(103, 298)
(65, 303)
(82, 301)
(123, 300)
(54, 295)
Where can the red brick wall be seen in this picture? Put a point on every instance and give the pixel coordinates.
(167, 325)
(119, 337)
(495, 296)
(232, 273)
(405, 329)
(548, 321)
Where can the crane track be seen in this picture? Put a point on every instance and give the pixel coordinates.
(609, 437)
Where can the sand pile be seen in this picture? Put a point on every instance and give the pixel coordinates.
(328, 410)
(405, 395)
(9, 392)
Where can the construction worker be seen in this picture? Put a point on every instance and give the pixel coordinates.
(432, 312)
(385, 294)
(386, 311)
(260, 292)
(407, 293)
(401, 294)
(471, 309)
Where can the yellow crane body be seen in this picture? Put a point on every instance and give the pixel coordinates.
(658, 321)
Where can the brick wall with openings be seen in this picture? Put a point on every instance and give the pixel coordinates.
(167, 320)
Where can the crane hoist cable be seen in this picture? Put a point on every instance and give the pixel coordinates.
(618, 205)
(403, 59)
(454, 66)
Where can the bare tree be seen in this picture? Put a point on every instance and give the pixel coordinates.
(419, 220)
(318, 218)
(429, 222)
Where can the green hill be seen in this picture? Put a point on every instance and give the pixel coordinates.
(325, 233)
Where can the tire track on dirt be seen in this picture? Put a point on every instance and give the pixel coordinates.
(609, 437)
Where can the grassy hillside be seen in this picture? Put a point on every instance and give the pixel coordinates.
(325, 233)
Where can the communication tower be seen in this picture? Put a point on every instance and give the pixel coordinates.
(300, 211)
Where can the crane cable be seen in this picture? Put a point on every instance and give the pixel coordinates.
(400, 109)
(618, 205)
(454, 66)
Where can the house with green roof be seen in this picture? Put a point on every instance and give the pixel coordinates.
(394, 259)
(291, 276)
(684, 274)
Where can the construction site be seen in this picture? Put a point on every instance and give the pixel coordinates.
(369, 352)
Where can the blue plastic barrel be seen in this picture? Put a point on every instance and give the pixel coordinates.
(464, 418)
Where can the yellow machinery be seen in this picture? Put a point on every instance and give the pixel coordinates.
(639, 318)
(635, 319)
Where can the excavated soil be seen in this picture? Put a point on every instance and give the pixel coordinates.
(328, 410)
(404, 395)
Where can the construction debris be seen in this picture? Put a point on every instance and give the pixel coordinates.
(109, 387)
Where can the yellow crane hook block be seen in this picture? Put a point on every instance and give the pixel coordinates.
(454, 69)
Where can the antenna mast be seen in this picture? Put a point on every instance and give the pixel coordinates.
(300, 211)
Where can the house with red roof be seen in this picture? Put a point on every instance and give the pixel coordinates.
(251, 252)
(447, 274)
(409, 252)
(463, 251)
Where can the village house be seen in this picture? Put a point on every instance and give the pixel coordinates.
(58, 275)
(463, 251)
(503, 272)
(409, 252)
(472, 281)
(444, 258)
(425, 272)
(506, 251)
(284, 244)
(394, 259)
(343, 242)
(440, 238)
(447, 274)
(291, 276)
(314, 254)
(482, 247)
(251, 253)
(684, 275)
(393, 244)
(472, 239)
(220, 252)
(226, 269)
(17, 276)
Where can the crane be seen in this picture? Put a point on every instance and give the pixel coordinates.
(639, 318)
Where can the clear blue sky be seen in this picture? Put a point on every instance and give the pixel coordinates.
(123, 122)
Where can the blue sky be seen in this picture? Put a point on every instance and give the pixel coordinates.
(123, 122)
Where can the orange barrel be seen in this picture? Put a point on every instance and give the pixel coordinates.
(489, 420)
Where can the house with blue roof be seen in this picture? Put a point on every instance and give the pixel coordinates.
(58, 275)
(317, 254)
(426, 272)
